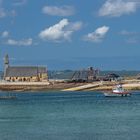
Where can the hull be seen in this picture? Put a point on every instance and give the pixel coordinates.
(7, 97)
(118, 91)
(111, 94)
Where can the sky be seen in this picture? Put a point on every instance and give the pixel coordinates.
(71, 34)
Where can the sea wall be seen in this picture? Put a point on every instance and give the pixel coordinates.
(23, 85)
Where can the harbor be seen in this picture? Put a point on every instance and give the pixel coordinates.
(69, 70)
(37, 78)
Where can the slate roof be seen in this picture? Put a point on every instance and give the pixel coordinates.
(24, 71)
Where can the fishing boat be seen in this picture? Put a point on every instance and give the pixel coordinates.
(117, 91)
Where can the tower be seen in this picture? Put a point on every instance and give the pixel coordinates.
(90, 73)
(6, 64)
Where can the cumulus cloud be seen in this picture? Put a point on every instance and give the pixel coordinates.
(58, 11)
(97, 35)
(24, 42)
(5, 34)
(117, 8)
(60, 31)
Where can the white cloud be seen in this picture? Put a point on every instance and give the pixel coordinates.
(58, 11)
(97, 35)
(117, 8)
(12, 13)
(130, 37)
(24, 42)
(19, 2)
(132, 40)
(2, 10)
(125, 32)
(5, 34)
(2, 13)
(60, 31)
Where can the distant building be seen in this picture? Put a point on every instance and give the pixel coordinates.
(85, 75)
(138, 76)
(24, 73)
(112, 77)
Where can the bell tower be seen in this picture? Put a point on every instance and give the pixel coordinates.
(6, 61)
(6, 64)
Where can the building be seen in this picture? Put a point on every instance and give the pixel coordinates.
(85, 75)
(112, 77)
(24, 73)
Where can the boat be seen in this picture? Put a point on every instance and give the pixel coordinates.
(7, 97)
(118, 91)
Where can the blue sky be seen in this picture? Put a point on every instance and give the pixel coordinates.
(71, 34)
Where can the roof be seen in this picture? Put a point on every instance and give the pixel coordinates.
(113, 75)
(24, 71)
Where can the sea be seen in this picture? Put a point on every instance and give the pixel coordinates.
(69, 116)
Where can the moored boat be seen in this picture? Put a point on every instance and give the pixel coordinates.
(117, 91)
(7, 97)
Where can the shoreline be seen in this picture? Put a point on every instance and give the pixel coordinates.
(36, 86)
(64, 86)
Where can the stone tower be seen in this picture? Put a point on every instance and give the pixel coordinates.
(6, 63)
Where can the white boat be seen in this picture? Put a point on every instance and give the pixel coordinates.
(117, 91)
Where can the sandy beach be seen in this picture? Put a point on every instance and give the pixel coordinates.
(64, 86)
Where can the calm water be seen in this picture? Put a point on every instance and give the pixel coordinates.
(70, 116)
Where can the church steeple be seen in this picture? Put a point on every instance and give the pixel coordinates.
(6, 64)
(6, 60)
